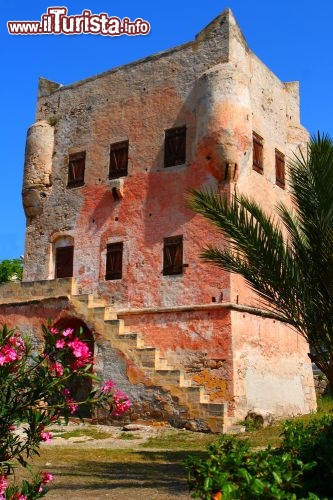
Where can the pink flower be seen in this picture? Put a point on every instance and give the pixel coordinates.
(22, 497)
(56, 369)
(12, 427)
(122, 403)
(72, 407)
(47, 477)
(3, 484)
(80, 349)
(71, 403)
(60, 343)
(55, 331)
(46, 436)
(108, 386)
(18, 342)
(8, 354)
(68, 332)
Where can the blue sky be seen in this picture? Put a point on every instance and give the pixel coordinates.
(293, 38)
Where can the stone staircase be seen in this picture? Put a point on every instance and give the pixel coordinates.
(156, 370)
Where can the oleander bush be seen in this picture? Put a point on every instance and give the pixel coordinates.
(34, 393)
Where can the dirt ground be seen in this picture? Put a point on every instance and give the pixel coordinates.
(151, 474)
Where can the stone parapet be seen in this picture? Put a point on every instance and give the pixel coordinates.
(25, 291)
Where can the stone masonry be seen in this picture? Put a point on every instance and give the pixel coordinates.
(186, 340)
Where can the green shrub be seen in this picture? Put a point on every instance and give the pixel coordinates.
(301, 468)
(239, 473)
(313, 442)
(10, 269)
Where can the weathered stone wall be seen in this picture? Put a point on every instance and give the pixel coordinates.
(220, 90)
(198, 342)
(271, 368)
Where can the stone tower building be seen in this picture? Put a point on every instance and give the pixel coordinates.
(110, 244)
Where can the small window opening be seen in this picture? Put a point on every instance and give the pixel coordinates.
(175, 146)
(114, 261)
(173, 255)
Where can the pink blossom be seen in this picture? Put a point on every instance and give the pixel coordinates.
(60, 343)
(71, 403)
(12, 427)
(17, 341)
(68, 332)
(56, 369)
(3, 484)
(53, 330)
(72, 407)
(80, 349)
(47, 477)
(22, 497)
(108, 386)
(46, 436)
(10, 354)
(122, 403)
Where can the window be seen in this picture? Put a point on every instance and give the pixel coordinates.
(64, 262)
(114, 261)
(175, 147)
(76, 166)
(118, 159)
(258, 148)
(173, 255)
(280, 169)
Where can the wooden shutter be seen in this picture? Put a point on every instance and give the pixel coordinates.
(64, 262)
(173, 255)
(76, 167)
(280, 169)
(258, 157)
(114, 261)
(118, 159)
(175, 147)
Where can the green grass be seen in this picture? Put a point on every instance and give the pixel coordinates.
(127, 436)
(77, 433)
(158, 462)
(182, 440)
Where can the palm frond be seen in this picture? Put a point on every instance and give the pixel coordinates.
(288, 259)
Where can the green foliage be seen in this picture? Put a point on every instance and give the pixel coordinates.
(301, 468)
(10, 269)
(313, 442)
(286, 260)
(53, 120)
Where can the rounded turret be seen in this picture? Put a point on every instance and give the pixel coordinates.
(224, 118)
(37, 167)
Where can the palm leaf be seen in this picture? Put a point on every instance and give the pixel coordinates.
(287, 259)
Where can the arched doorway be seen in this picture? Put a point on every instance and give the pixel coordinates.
(78, 386)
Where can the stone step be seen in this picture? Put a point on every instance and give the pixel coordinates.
(195, 398)
(134, 339)
(148, 356)
(162, 364)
